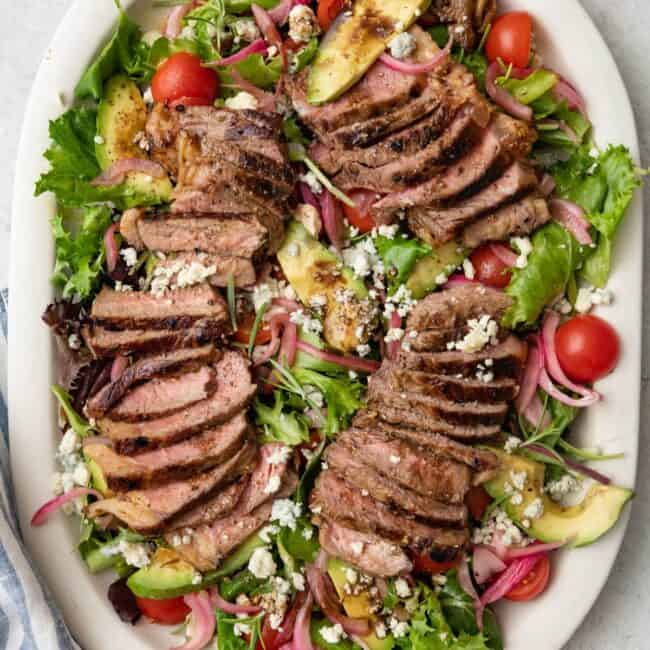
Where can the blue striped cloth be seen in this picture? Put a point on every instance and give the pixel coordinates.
(29, 618)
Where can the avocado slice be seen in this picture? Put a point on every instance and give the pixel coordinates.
(578, 525)
(98, 479)
(354, 42)
(355, 606)
(121, 116)
(443, 259)
(313, 270)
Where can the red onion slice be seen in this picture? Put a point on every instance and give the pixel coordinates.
(42, 514)
(565, 91)
(269, 31)
(457, 280)
(578, 467)
(332, 218)
(572, 217)
(504, 253)
(536, 415)
(530, 380)
(547, 185)
(280, 13)
(231, 608)
(465, 581)
(202, 624)
(548, 386)
(117, 172)
(265, 101)
(346, 361)
(392, 348)
(277, 322)
(532, 549)
(551, 361)
(174, 24)
(418, 68)
(120, 364)
(308, 196)
(485, 564)
(503, 98)
(568, 131)
(302, 628)
(256, 47)
(110, 246)
(288, 346)
(510, 578)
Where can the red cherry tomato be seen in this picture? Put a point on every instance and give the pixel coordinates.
(587, 347)
(424, 564)
(477, 501)
(328, 10)
(168, 611)
(510, 39)
(182, 76)
(489, 269)
(533, 584)
(245, 327)
(359, 217)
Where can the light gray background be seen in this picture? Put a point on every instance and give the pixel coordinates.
(620, 619)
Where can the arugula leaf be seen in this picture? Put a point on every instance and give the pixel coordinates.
(118, 54)
(400, 254)
(305, 56)
(476, 62)
(254, 68)
(309, 475)
(243, 582)
(297, 545)
(555, 257)
(226, 637)
(561, 418)
(293, 133)
(281, 425)
(244, 6)
(440, 34)
(80, 256)
(342, 397)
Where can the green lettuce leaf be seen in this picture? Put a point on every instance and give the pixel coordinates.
(317, 624)
(281, 424)
(305, 56)
(400, 254)
(244, 6)
(80, 256)
(207, 22)
(297, 545)
(80, 426)
(258, 71)
(533, 87)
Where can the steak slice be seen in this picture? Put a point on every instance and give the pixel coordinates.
(508, 358)
(478, 460)
(198, 454)
(146, 368)
(241, 269)
(172, 232)
(148, 511)
(234, 392)
(370, 553)
(431, 475)
(345, 461)
(162, 396)
(176, 309)
(449, 387)
(107, 343)
(516, 220)
(338, 500)
(452, 308)
(438, 224)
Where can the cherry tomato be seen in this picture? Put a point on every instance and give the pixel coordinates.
(533, 584)
(510, 39)
(424, 564)
(587, 347)
(359, 217)
(477, 501)
(168, 611)
(183, 76)
(274, 639)
(328, 10)
(489, 269)
(245, 327)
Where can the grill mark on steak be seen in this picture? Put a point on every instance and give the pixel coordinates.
(198, 454)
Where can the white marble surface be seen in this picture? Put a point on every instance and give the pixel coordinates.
(619, 621)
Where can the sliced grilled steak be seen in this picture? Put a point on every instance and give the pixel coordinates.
(411, 420)
(467, 18)
(176, 309)
(269, 476)
(233, 394)
(220, 235)
(241, 269)
(438, 225)
(146, 368)
(148, 511)
(451, 388)
(162, 396)
(478, 460)
(345, 461)
(507, 358)
(107, 343)
(198, 454)
(338, 500)
(515, 220)
(433, 476)
(452, 308)
(370, 553)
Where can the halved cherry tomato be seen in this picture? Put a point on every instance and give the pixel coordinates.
(183, 76)
(510, 39)
(245, 327)
(477, 501)
(274, 639)
(168, 611)
(425, 564)
(489, 269)
(359, 217)
(587, 347)
(328, 10)
(533, 584)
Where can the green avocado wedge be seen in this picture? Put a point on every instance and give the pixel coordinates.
(578, 525)
(441, 261)
(121, 116)
(355, 41)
